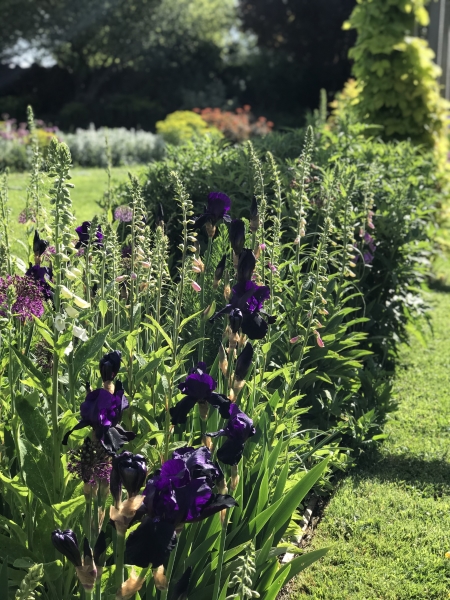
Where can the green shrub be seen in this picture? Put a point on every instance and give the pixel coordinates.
(396, 76)
(183, 125)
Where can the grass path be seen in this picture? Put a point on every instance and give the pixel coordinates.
(90, 183)
(388, 524)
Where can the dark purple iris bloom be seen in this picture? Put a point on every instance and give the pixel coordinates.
(198, 383)
(42, 276)
(83, 235)
(218, 206)
(198, 387)
(179, 493)
(66, 542)
(110, 365)
(238, 429)
(102, 411)
(249, 298)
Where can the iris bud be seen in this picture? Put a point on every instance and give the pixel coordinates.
(243, 362)
(110, 365)
(128, 470)
(66, 542)
(39, 245)
(235, 319)
(254, 216)
(237, 235)
(246, 265)
(219, 271)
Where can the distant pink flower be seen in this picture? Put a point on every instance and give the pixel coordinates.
(195, 286)
(124, 214)
(262, 246)
(295, 339)
(272, 267)
(121, 278)
(27, 215)
(133, 276)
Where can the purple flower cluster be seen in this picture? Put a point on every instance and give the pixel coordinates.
(369, 250)
(28, 298)
(123, 214)
(218, 206)
(41, 276)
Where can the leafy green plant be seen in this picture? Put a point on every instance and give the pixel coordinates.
(184, 125)
(396, 76)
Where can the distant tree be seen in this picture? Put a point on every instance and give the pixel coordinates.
(306, 33)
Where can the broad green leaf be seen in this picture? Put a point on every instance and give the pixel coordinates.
(264, 553)
(14, 529)
(89, 349)
(103, 307)
(189, 318)
(150, 367)
(53, 570)
(267, 574)
(155, 324)
(38, 473)
(36, 375)
(34, 423)
(68, 511)
(12, 550)
(223, 593)
(290, 501)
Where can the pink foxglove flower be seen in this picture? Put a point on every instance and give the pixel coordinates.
(195, 286)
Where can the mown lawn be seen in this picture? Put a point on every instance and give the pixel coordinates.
(89, 187)
(388, 525)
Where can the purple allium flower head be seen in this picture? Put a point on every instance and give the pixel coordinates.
(238, 429)
(83, 235)
(91, 463)
(66, 542)
(28, 297)
(124, 214)
(198, 383)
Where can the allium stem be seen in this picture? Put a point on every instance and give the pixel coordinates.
(201, 345)
(120, 549)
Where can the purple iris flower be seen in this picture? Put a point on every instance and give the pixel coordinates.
(181, 492)
(246, 265)
(198, 387)
(238, 429)
(218, 206)
(83, 235)
(39, 245)
(42, 276)
(248, 297)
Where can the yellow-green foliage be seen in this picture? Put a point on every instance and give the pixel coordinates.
(397, 78)
(183, 125)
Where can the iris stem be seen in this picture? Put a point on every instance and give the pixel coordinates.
(120, 548)
(169, 572)
(223, 537)
(201, 345)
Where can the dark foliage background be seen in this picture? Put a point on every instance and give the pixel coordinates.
(133, 63)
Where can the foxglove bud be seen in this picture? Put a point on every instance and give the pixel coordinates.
(66, 542)
(237, 235)
(110, 365)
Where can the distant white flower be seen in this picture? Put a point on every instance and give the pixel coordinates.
(80, 302)
(65, 292)
(69, 349)
(59, 322)
(71, 311)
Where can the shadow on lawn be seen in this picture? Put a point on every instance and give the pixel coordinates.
(429, 477)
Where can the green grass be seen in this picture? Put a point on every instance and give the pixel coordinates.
(89, 187)
(388, 524)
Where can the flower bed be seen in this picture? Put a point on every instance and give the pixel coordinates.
(194, 370)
